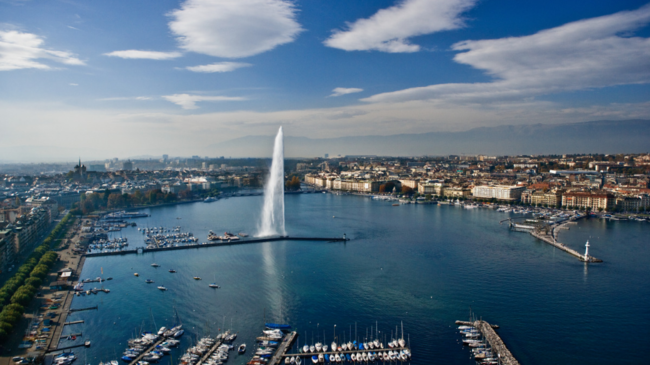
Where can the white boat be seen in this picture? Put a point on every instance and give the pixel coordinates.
(401, 342)
(213, 285)
(305, 349)
(312, 348)
(354, 357)
(319, 346)
(344, 347)
(155, 265)
(325, 348)
(333, 346)
(321, 358)
(298, 360)
(162, 330)
(162, 287)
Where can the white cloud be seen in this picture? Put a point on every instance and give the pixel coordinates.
(188, 101)
(120, 98)
(343, 91)
(580, 55)
(20, 50)
(388, 30)
(73, 84)
(149, 55)
(219, 67)
(234, 28)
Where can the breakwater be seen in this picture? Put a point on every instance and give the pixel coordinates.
(213, 244)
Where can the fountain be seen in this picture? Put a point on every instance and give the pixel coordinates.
(273, 211)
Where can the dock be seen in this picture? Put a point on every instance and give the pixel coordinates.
(148, 350)
(74, 322)
(72, 334)
(551, 241)
(82, 309)
(212, 244)
(286, 344)
(217, 343)
(495, 342)
(465, 323)
(310, 354)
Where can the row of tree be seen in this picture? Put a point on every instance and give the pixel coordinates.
(19, 290)
(292, 184)
(112, 200)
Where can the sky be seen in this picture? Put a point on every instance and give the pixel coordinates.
(103, 79)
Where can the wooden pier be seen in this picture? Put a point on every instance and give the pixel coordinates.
(72, 334)
(286, 344)
(212, 244)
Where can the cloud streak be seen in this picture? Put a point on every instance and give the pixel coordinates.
(579, 55)
(147, 55)
(389, 29)
(187, 101)
(344, 91)
(218, 67)
(20, 50)
(234, 28)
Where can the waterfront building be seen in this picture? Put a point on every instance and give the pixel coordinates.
(589, 199)
(499, 192)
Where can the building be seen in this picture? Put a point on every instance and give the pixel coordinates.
(498, 192)
(456, 192)
(127, 165)
(594, 200)
(539, 197)
(6, 248)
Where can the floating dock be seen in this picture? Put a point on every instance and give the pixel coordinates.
(212, 244)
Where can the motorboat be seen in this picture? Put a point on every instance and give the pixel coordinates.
(162, 287)
(333, 346)
(305, 349)
(242, 348)
(161, 331)
(314, 359)
(213, 285)
(149, 281)
(318, 346)
(179, 333)
(172, 271)
(325, 348)
(321, 358)
(312, 348)
(155, 265)
(136, 274)
(197, 278)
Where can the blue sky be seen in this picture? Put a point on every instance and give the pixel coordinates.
(125, 78)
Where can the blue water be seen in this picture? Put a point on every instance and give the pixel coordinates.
(425, 265)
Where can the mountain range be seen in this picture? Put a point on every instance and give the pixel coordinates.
(624, 136)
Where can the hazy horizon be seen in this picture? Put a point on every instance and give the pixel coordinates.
(179, 76)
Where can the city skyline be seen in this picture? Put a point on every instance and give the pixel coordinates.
(178, 77)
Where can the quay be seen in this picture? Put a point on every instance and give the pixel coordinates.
(212, 244)
(465, 323)
(286, 344)
(148, 350)
(219, 340)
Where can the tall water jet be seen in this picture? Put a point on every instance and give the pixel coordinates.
(273, 211)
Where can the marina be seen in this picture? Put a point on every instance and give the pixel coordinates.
(482, 353)
(212, 244)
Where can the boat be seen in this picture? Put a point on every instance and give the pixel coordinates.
(242, 348)
(172, 271)
(321, 358)
(197, 278)
(305, 349)
(136, 274)
(155, 265)
(162, 287)
(318, 346)
(213, 285)
(179, 333)
(314, 359)
(210, 199)
(87, 343)
(149, 281)
(161, 331)
(242, 234)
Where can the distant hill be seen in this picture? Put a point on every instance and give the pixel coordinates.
(628, 136)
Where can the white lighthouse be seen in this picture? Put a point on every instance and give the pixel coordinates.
(587, 251)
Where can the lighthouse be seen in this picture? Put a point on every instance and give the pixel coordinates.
(587, 251)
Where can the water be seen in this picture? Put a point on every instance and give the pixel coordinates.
(272, 223)
(423, 264)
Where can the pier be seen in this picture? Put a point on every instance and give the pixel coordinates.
(286, 344)
(82, 309)
(223, 243)
(218, 341)
(495, 342)
(148, 350)
(75, 322)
